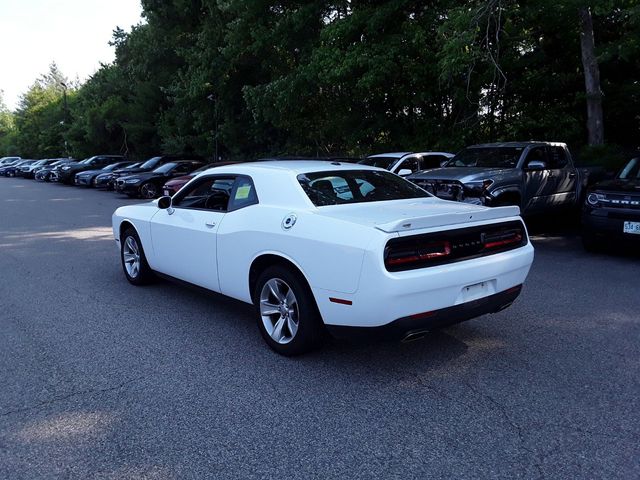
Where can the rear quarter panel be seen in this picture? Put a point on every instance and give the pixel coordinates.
(328, 252)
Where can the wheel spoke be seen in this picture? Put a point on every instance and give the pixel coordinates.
(290, 298)
(275, 291)
(130, 243)
(267, 308)
(292, 326)
(276, 334)
(129, 257)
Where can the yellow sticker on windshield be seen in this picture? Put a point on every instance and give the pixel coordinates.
(243, 192)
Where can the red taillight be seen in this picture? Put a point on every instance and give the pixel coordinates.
(419, 253)
(508, 238)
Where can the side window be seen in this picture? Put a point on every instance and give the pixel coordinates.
(212, 193)
(183, 168)
(409, 164)
(538, 154)
(558, 157)
(243, 194)
(432, 161)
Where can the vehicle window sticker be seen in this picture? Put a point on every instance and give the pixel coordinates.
(242, 192)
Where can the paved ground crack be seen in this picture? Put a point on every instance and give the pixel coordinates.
(62, 398)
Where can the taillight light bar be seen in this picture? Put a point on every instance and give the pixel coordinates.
(438, 248)
(420, 252)
(502, 239)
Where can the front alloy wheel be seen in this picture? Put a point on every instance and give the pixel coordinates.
(288, 317)
(148, 190)
(134, 262)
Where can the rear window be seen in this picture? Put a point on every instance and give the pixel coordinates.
(357, 186)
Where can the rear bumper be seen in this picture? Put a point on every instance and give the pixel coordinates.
(406, 327)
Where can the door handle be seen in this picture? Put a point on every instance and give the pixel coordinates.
(210, 224)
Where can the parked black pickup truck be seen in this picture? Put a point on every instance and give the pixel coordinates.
(612, 209)
(536, 176)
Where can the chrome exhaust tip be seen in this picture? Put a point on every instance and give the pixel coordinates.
(413, 336)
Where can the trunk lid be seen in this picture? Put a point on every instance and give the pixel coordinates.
(415, 214)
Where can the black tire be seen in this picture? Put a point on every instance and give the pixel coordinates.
(591, 243)
(310, 328)
(144, 274)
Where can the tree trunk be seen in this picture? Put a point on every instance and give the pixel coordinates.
(595, 125)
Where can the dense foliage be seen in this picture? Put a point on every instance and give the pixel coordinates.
(348, 77)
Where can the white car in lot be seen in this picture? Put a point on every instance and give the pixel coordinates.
(326, 246)
(407, 163)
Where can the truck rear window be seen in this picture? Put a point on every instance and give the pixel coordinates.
(357, 186)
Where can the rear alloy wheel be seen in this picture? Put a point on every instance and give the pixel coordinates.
(134, 262)
(148, 190)
(288, 317)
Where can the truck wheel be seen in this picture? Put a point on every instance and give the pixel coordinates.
(591, 243)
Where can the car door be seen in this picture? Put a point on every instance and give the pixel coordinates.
(539, 184)
(565, 177)
(183, 237)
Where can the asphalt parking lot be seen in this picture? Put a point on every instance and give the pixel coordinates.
(100, 379)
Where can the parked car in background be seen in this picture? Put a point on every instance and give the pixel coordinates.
(10, 164)
(107, 180)
(155, 162)
(7, 160)
(149, 184)
(536, 176)
(86, 178)
(406, 163)
(43, 174)
(611, 211)
(66, 173)
(12, 170)
(28, 171)
(313, 245)
(175, 184)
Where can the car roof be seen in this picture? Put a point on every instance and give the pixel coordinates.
(513, 144)
(390, 154)
(296, 167)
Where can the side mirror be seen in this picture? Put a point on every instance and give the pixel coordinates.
(164, 203)
(536, 165)
(404, 172)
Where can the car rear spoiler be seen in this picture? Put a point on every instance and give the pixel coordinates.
(440, 220)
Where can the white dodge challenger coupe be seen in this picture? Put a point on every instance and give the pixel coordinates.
(326, 246)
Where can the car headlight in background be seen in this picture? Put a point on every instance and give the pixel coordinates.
(594, 199)
(132, 180)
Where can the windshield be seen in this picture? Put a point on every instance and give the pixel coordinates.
(381, 162)
(631, 170)
(151, 163)
(357, 186)
(111, 167)
(491, 157)
(130, 167)
(166, 168)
